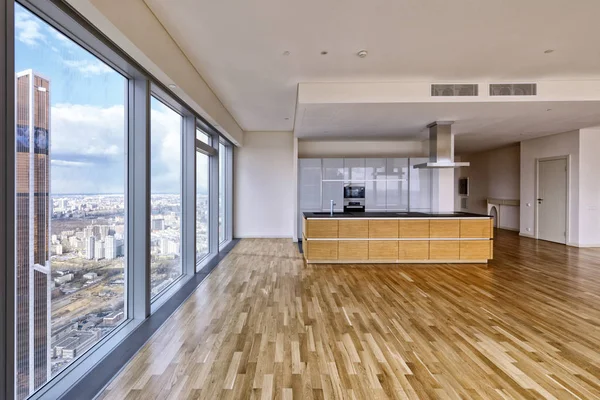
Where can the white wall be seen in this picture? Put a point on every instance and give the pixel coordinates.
(358, 148)
(589, 187)
(494, 174)
(264, 186)
(550, 146)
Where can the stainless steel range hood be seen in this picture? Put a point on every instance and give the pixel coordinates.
(441, 147)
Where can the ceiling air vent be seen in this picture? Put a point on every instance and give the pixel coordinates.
(454, 90)
(513, 89)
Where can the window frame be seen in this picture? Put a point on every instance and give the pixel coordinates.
(188, 197)
(228, 186)
(211, 153)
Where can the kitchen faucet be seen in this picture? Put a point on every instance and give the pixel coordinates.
(331, 208)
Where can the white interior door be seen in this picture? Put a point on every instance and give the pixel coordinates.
(552, 200)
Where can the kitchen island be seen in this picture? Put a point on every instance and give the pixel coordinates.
(397, 237)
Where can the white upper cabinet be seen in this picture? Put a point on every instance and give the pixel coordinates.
(387, 182)
(375, 169)
(420, 186)
(309, 181)
(354, 170)
(397, 184)
(333, 169)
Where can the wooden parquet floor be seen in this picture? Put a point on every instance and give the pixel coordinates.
(264, 325)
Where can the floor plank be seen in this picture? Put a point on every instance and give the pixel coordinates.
(264, 325)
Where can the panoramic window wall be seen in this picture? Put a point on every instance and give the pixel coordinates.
(70, 201)
(202, 197)
(165, 196)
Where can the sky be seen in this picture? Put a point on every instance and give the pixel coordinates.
(87, 117)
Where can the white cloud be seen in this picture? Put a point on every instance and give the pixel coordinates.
(65, 163)
(28, 29)
(89, 151)
(88, 67)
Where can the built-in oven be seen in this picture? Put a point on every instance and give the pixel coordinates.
(354, 198)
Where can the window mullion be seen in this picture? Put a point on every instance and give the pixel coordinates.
(188, 192)
(138, 200)
(7, 201)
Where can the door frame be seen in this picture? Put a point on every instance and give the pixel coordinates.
(567, 158)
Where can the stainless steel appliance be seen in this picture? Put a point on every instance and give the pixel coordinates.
(354, 198)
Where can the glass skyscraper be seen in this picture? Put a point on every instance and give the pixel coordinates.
(33, 213)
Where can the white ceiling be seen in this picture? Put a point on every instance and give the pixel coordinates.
(478, 126)
(238, 46)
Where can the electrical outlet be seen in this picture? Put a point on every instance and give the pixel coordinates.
(528, 229)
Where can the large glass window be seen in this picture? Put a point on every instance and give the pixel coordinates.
(70, 204)
(202, 199)
(165, 196)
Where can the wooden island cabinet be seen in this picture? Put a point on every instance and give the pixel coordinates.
(389, 238)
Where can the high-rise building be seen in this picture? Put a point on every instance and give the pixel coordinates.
(33, 213)
(90, 247)
(110, 248)
(99, 250)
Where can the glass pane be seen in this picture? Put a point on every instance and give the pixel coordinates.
(203, 137)
(202, 243)
(165, 196)
(70, 209)
(222, 194)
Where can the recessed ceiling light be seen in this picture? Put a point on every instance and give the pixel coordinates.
(172, 86)
(548, 51)
(362, 53)
(324, 53)
(286, 53)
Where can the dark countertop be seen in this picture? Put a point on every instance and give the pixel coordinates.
(392, 214)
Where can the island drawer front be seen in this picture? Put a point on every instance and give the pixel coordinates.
(413, 250)
(353, 228)
(353, 250)
(322, 250)
(413, 228)
(444, 228)
(444, 250)
(476, 249)
(383, 228)
(322, 229)
(383, 250)
(475, 228)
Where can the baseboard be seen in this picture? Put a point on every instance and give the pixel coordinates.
(583, 246)
(263, 237)
(506, 228)
(527, 235)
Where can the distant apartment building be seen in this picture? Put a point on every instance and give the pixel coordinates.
(168, 246)
(110, 248)
(158, 224)
(33, 213)
(90, 243)
(99, 250)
